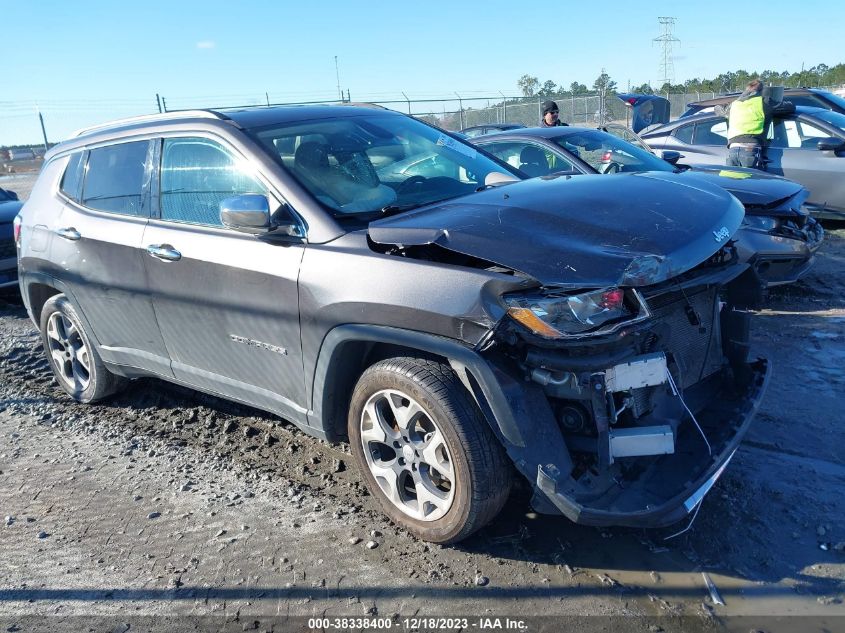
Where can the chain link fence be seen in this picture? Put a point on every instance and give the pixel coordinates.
(582, 110)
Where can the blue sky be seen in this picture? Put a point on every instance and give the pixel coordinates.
(86, 62)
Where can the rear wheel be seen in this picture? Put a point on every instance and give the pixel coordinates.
(75, 362)
(425, 450)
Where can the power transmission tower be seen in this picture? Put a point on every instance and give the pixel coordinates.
(666, 39)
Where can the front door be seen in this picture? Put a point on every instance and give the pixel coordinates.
(793, 154)
(226, 302)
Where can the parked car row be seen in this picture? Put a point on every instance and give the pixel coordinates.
(375, 280)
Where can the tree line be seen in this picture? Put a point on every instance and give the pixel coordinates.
(820, 75)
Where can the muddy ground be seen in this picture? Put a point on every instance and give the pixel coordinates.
(163, 502)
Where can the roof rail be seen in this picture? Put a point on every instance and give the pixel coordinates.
(164, 116)
(363, 104)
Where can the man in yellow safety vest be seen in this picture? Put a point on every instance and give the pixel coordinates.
(747, 122)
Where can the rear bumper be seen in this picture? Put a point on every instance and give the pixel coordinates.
(637, 504)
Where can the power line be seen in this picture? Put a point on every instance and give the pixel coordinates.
(666, 39)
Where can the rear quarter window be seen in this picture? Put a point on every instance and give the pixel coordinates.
(72, 177)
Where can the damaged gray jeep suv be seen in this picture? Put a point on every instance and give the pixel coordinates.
(375, 280)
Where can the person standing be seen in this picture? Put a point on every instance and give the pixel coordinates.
(551, 115)
(748, 118)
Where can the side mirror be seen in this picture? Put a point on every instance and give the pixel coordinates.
(247, 213)
(670, 156)
(250, 213)
(831, 144)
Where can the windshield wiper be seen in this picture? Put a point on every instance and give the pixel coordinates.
(398, 208)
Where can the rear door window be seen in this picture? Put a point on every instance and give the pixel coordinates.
(114, 178)
(711, 132)
(684, 133)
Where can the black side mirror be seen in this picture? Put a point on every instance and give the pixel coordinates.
(831, 144)
(670, 156)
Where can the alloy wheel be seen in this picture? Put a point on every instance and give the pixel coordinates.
(68, 351)
(407, 455)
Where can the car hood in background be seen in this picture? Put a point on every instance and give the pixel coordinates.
(589, 231)
(762, 194)
(8, 210)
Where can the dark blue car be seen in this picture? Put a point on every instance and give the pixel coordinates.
(9, 207)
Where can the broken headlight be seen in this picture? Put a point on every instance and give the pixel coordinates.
(760, 222)
(558, 315)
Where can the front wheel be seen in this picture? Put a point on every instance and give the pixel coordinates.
(75, 362)
(425, 450)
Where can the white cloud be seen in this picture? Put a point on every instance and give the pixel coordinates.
(206, 44)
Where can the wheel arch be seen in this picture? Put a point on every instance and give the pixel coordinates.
(348, 350)
(38, 288)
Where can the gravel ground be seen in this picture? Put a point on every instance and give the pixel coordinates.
(166, 502)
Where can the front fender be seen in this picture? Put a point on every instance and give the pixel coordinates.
(517, 411)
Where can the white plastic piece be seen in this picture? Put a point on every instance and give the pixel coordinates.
(643, 371)
(641, 440)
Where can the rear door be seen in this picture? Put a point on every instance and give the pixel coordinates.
(96, 244)
(226, 301)
(702, 142)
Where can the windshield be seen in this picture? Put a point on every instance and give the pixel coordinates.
(5, 197)
(608, 154)
(368, 164)
(834, 118)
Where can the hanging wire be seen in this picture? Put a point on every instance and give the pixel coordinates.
(677, 392)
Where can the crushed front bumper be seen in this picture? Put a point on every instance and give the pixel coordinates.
(671, 487)
(783, 256)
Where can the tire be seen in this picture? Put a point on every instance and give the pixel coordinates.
(76, 364)
(425, 450)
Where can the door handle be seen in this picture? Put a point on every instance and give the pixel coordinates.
(69, 233)
(164, 252)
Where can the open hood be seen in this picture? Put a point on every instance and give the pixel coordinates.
(589, 231)
(761, 193)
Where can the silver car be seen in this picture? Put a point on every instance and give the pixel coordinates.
(807, 146)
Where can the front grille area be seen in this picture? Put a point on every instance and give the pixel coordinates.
(695, 347)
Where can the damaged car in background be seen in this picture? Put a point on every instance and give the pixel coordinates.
(457, 326)
(778, 237)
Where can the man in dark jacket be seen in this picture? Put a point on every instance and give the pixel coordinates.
(551, 114)
(748, 121)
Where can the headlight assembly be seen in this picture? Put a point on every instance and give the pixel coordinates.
(759, 222)
(557, 315)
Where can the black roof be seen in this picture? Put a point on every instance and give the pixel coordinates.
(274, 115)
